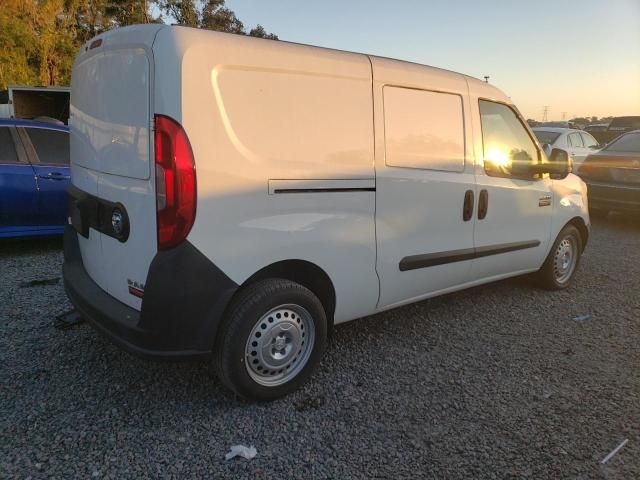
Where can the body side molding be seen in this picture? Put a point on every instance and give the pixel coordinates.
(323, 190)
(414, 262)
(321, 185)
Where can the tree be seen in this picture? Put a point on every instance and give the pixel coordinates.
(580, 120)
(39, 43)
(40, 38)
(215, 16)
(55, 41)
(129, 12)
(19, 52)
(210, 15)
(185, 12)
(90, 18)
(260, 32)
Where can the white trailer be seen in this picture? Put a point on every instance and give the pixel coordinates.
(37, 102)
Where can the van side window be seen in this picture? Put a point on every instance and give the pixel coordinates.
(423, 129)
(506, 143)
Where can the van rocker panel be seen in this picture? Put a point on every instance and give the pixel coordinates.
(184, 298)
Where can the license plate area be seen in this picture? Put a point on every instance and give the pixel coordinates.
(79, 210)
(87, 211)
(76, 220)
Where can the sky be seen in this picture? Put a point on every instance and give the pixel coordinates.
(578, 57)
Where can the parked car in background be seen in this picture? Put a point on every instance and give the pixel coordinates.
(617, 127)
(34, 176)
(596, 127)
(577, 143)
(556, 124)
(613, 176)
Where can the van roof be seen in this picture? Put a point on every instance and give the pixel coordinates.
(149, 32)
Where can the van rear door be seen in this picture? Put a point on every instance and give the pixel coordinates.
(111, 160)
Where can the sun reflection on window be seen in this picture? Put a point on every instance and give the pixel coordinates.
(497, 157)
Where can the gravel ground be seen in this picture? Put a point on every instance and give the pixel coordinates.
(494, 382)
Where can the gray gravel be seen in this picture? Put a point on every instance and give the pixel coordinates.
(494, 382)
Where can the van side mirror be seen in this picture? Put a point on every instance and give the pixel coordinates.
(559, 156)
(559, 165)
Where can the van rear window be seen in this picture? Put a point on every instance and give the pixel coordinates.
(423, 129)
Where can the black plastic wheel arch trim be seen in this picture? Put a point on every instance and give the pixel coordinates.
(185, 296)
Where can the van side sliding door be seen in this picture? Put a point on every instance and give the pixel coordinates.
(425, 184)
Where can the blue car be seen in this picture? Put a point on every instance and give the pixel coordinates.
(34, 176)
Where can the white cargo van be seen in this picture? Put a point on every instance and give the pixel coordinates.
(235, 197)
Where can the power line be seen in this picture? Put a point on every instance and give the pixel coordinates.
(545, 113)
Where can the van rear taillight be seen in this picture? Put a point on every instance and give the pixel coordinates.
(175, 182)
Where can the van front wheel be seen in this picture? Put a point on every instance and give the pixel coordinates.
(271, 340)
(563, 260)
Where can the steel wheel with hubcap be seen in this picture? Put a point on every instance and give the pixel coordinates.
(271, 339)
(563, 259)
(279, 344)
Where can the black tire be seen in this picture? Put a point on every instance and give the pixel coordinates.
(548, 276)
(242, 319)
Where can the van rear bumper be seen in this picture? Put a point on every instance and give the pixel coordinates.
(185, 297)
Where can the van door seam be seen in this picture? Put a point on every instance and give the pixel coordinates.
(375, 180)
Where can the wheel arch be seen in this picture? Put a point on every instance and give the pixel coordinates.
(579, 223)
(305, 273)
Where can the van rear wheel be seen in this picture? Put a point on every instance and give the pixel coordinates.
(271, 339)
(563, 260)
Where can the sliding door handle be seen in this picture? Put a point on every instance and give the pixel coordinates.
(467, 208)
(483, 204)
